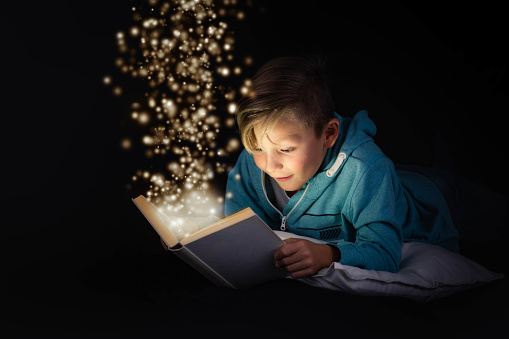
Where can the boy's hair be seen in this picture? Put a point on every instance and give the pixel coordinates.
(291, 88)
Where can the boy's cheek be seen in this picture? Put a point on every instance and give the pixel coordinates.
(259, 161)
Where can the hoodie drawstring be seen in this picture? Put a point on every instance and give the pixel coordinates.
(339, 160)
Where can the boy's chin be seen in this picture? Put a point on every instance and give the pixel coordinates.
(289, 187)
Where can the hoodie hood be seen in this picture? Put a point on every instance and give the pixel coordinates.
(353, 132)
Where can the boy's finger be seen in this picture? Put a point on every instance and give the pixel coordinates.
(285, 251)
(296, 267)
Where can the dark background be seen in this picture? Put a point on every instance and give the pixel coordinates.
(433, 78)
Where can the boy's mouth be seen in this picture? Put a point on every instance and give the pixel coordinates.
(282, 179)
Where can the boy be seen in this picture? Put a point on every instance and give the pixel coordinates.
(307, 170)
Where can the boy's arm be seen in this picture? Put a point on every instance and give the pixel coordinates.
(372, 211)
(374, 249)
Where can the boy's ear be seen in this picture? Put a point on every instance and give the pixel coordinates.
(331, 132)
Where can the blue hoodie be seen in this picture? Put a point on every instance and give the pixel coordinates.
(357, 201)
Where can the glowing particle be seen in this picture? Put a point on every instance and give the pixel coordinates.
(182, 54)
(143, 118)
(233, 145)
(232, 107)
(117, 91)
(248, 60)
(210, 135)
(150, 23)
(126, 143)
(229, 122)
(134, 31)
(148, 140)
(107, 80)
(224, 71)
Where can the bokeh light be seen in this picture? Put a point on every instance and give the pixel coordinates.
(181, 52)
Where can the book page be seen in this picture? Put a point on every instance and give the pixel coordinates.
(156, 219)
(220, 224)
(286, 235)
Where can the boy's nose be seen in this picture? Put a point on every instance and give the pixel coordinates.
(272, 164)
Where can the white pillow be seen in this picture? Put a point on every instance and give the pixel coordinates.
(426, 272)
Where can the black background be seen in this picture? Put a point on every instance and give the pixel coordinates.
(433, 78)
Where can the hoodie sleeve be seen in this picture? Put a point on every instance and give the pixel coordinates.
(372, 211)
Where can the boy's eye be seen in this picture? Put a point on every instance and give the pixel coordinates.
(286, 150)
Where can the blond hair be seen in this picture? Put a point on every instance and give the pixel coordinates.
(289, 88)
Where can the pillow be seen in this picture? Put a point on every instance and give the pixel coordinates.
(426, 272)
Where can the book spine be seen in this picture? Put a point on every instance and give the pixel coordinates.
(195, 262)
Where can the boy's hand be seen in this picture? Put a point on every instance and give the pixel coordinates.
(303, 258)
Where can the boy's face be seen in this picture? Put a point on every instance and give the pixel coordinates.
(290, 153)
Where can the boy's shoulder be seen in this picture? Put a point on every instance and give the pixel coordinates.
(366, 154)
(364, 159)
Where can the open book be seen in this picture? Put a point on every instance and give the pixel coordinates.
(237, 251)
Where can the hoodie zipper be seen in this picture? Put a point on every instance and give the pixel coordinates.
(283, 217)
(283, 223)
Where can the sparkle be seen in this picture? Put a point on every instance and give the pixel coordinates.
(126, 143)
(107, 80)
(182, 52)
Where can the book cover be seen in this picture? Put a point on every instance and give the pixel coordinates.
(237, 251)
